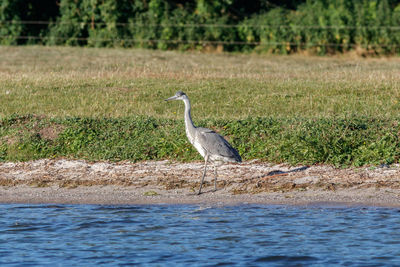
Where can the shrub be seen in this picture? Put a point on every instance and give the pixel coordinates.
(319, 26)
(14, 14)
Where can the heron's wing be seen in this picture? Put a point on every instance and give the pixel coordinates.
(215, 144)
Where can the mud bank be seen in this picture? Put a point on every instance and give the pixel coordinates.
(164, 182)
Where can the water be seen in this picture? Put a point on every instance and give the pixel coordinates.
(186, 235)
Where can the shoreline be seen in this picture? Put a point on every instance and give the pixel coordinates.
(114, 195)
(63, 181)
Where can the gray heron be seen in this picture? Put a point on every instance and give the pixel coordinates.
(211, 146)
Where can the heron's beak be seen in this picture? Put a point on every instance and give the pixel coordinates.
(171, 98)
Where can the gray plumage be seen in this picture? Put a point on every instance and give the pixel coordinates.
(212, 146)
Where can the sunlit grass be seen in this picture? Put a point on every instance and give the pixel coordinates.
(337, 110)
(88, 82)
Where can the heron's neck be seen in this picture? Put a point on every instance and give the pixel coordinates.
(188, 118)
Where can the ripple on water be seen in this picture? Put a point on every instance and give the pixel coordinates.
(191, 235)
(287, 259)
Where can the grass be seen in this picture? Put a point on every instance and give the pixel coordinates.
(88, 82)
(107, 104)
(297, 141)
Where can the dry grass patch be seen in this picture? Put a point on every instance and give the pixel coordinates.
(65, 81)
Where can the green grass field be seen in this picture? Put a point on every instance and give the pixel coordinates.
(107, 104)
(88, 82)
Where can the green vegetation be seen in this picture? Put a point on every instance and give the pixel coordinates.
(107, 104)
(83, 82)
(317, 26)
(341, 142)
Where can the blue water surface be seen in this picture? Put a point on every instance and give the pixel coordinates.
(190, 235)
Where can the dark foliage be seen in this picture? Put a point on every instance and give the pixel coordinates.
(320, 26)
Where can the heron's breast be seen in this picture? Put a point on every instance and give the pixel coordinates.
(189, 136)
(199, 148)
(194, 141)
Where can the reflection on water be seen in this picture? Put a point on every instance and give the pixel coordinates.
(255, 235)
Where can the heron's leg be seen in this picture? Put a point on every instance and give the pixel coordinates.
(215, 179)
(204, 174)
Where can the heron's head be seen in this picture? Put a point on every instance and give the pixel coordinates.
(178, 96)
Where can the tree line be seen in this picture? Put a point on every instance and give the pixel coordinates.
(318, 26)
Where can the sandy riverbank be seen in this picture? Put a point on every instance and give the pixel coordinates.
(82, 182)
